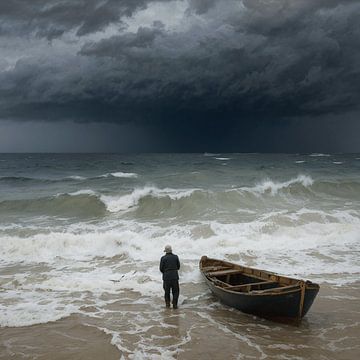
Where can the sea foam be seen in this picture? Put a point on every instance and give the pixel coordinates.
(118, 256)
(333, 234)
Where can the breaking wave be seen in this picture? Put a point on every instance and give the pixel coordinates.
(168, 202)
(171, 202)
(272, 187)
(125, 202)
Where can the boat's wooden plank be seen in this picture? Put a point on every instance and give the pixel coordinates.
(249, 285)
(278, 289)
(224, 272)
(251, 275)
(214, 268)
(247, 272)
(220, 283)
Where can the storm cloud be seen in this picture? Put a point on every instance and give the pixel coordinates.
(213, 68)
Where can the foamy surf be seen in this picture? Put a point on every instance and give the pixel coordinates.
(111, 262)
(300, 234)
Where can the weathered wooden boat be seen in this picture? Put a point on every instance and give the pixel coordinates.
(258, 292)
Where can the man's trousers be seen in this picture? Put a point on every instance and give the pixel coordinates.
(172, 285)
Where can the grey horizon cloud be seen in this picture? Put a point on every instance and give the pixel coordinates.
(229, 65)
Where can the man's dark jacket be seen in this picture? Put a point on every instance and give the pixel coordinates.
(169, 266)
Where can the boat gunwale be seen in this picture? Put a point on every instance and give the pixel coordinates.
(276, 291)
(242, 268)
(287, 290)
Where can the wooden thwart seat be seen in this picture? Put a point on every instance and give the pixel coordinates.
(280, 288)
(214, 268)
(224, 272)
(249, 285)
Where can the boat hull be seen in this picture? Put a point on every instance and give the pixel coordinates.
(284, 305)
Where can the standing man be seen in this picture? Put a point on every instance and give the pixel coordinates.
(169, 266)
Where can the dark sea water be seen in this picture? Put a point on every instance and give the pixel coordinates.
(81, 236)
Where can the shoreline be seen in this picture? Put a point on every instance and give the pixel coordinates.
(198, 329)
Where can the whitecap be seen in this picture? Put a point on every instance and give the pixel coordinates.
(124, 175)
(120, 174)
(76, 177)
(81, 192)
(319, 155)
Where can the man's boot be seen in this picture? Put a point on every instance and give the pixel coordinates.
(167, 303)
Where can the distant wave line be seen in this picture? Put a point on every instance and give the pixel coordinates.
(118, 174)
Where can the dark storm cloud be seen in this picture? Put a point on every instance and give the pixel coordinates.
(230, 65)
(118, 45)
(201, 6)
(53, 18)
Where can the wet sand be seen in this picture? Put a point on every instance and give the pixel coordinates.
(64, 339)
(202, 328)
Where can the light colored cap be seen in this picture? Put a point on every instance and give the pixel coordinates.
(168, 249)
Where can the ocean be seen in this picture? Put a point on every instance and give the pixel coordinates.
(81, 236)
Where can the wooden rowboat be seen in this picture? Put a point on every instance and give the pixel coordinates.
(258, 292)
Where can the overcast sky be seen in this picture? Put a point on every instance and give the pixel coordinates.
(185, 75)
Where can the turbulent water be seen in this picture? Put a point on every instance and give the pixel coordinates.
(81, 236)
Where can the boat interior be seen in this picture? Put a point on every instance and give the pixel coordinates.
(243, 279)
